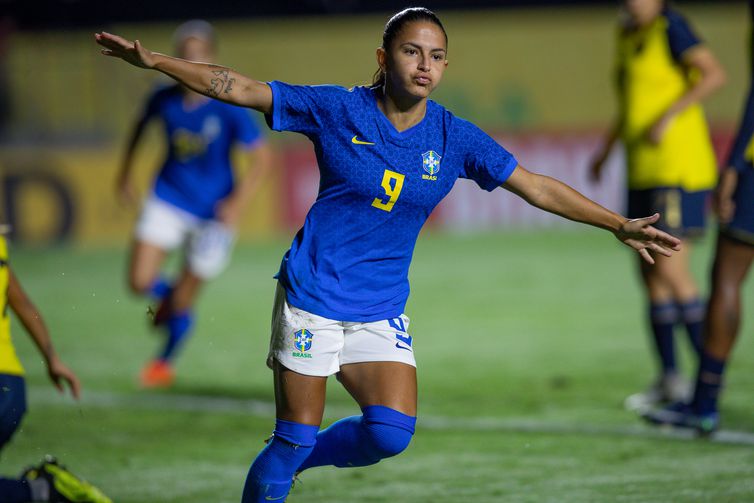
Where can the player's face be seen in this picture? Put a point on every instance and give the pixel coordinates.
(196, 49)
(416, 60)
(643, 12)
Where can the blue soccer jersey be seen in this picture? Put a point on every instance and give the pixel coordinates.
(197, 172)
(350, 260)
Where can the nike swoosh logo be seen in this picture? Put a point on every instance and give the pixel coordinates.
(356, 141)
(270, 498)
(398, 345)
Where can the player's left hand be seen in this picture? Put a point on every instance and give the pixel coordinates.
(59, 373)
(657, 131)
(228, 211)
(642, 237)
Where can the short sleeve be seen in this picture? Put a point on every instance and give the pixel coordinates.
(302, 109)
(245, 131)
(680, 35)
(486, 161)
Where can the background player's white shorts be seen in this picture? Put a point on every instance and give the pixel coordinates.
(208, 242)
(317, 346)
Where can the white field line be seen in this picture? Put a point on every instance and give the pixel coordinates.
(263, 409)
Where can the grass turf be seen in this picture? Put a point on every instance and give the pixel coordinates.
(543, 332)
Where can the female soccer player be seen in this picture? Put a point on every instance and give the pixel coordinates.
(664, 71)
(734, 204)
(194, 201)
(387, 155)
(49, 481)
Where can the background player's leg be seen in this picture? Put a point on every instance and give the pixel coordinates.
(12, 409)
(386, 393)
(300, 403)
(144, 269)
(732, 263)
(176, 313)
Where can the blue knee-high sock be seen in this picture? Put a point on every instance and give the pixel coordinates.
(379, 433)
(692, 315)
(663, 317)
(709, 380)
(178, 326)
(15, 491)
(271, 474)
(160, 288)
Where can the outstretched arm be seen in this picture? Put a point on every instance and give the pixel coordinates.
(556, 197)
(35, 326)
(214, 81)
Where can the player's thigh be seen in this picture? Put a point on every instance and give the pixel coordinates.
(378, 365)
(390, 384)
(298, 397)
(12, 405)
(144, 265)
(733, 259)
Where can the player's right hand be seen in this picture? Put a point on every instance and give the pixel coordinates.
(125, 192)
(60, 373)
(723, 196)
(130, 52)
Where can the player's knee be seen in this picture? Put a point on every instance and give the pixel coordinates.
(139, 284)
(389, 431)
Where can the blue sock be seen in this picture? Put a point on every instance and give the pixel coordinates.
(709, 380)
(14, 491)
(379, 433)
(271, 474)
(663, 317)
(160, 288)
(692, 315)
(178, 326)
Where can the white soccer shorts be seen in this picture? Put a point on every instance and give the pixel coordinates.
(317, 346)
(209, 243)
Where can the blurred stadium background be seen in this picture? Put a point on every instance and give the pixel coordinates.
(546, 315)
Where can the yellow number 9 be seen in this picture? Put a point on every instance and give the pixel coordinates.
(392, 191)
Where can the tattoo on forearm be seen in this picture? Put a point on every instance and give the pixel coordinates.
(222, 83)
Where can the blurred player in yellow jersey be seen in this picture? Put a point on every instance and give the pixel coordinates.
(49, 481)
(663, 73)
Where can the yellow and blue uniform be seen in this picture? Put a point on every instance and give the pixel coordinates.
(674, 176)
(741, 227)
(12, 387)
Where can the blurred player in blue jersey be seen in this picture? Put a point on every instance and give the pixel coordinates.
(387, 155)
(195, 201)
(734, 204)
(663, 73)
(48, 481)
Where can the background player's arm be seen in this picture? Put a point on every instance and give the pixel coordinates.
(124, 186)
(229, 210)
(210, 80)
(32, 321)
(598, 163)
(556, 197)
(711, 78)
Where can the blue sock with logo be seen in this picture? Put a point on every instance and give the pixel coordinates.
(15, 491)
(663, 316)
(381, 432)
(271, 474)
(709, 380)
(178, 326)
(693, 314)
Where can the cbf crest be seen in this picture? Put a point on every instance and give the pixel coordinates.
(431, 165)
(302, 343)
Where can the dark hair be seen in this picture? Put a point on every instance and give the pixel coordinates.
(394, 26)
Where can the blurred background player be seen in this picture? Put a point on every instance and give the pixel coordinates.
(734, 203)
(195, 201)
(49, 481)
(387, 156)
(663, 73)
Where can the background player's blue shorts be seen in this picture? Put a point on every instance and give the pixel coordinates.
(741, 228)
(12, 405)
(682, 213)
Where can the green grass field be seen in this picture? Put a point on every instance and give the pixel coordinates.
(526, 345)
